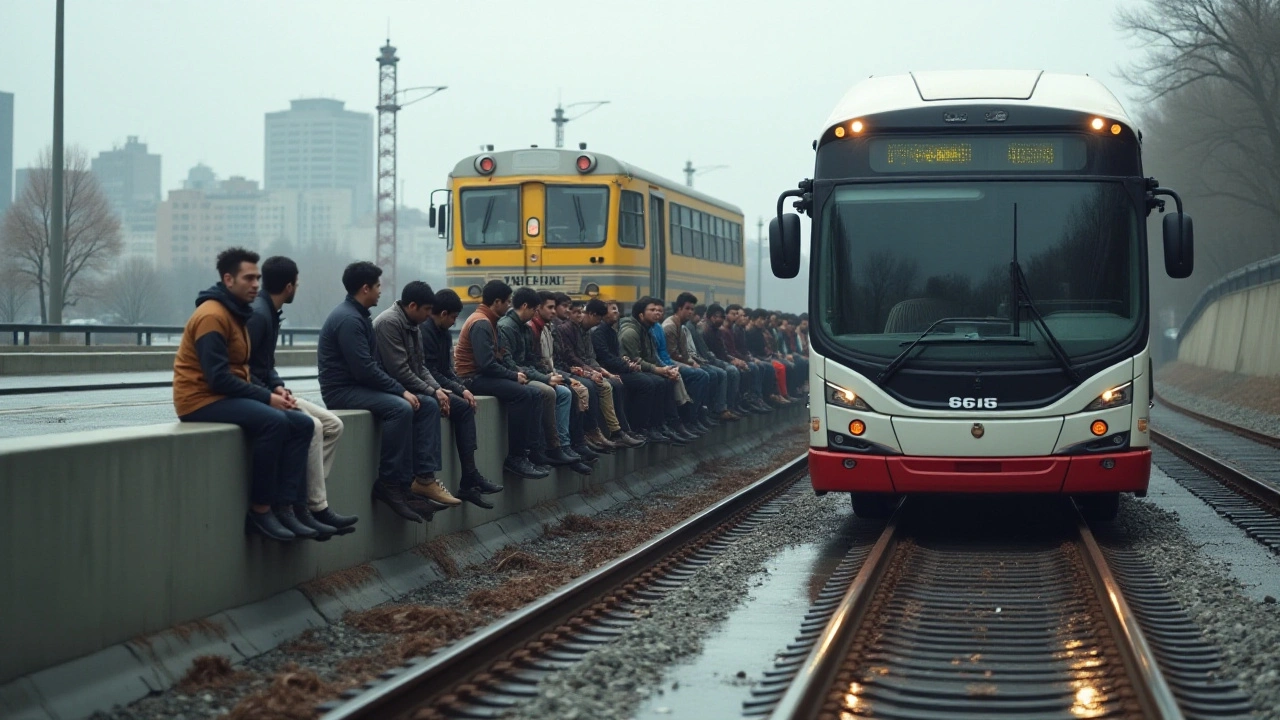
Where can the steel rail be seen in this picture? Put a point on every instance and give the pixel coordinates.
(1234, 478)
(412, 687)
(811, 688)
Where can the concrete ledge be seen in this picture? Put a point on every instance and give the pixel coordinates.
(96, 360)
(112, 535)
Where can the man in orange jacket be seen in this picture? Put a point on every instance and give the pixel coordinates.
(212, 383)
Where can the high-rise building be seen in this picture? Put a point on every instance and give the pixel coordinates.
(317, 145)
(130, 180)
(6, 150)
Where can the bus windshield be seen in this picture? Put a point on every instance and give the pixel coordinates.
(490, 216)
(897, 258)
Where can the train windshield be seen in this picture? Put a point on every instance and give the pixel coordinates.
(490, 216)
(577, 215)
(897, 258)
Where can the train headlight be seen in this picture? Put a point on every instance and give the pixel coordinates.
(842, 397)
(1115, 397)
(592, 289)
(475, 291)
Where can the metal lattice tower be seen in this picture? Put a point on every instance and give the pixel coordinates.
(386, 206)
(690, 171)
(559, 119)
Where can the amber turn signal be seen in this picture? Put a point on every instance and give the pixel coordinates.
(857, 427)
(1098, 428)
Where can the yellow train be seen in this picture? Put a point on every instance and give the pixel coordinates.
(588, 225)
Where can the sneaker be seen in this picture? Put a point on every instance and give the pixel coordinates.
(729, 416)
(520, 466)
(393, 496)
(435, 491)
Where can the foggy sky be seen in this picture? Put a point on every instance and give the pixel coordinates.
(740, 83)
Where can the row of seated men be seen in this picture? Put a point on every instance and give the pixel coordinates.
(576, 382)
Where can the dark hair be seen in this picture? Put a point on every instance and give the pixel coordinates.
(229, 260)
(639, 307)
(545, 295)
(562, 298)
(804, 316)
(700, 309)
(575, 304)
(596, 306)
(447, 301)
(684, 298)
(734, 306)
(494, 290)
(277, 272)
(525, 296)
(418, 293)
(714, 310)
(358, 274)
(759, 313)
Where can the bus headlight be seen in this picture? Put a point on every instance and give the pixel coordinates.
(1115, 397)
(842, 397)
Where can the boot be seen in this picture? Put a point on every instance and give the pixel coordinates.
(284, 514)
(267, 525)
(343, 523)
(323, 531)
(432, 489)
(393, 496)
(520, 466)
(480, 482)
(626, 439)
(470, 490)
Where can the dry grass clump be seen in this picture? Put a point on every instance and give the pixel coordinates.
(438, 551)
(293, 694)
(211, 672)
(335, 582)
(573, 524)
(513, 558)
(410, 619)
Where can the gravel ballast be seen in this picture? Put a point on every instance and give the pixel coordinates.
(289, 681)
(1250, 402)
(1245, 631)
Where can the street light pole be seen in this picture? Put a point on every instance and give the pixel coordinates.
(57, 257)
(759, 262)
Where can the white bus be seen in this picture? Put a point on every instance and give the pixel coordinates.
(979, 294)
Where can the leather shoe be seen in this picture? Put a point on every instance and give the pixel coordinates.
(285, 515)
(479, 482)
(426, 509)
(343, 523)
(473, 496)
(323, 531)
(585, 453)
(581, 468)
(521, 467)
(394, 497)
(556, 457)
(267, 525)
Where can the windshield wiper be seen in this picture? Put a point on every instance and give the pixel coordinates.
(1022, 291)
(582, 224)
(488, 213)
(897, 363)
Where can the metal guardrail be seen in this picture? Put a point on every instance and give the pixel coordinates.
(143, 334)
(1261, 272)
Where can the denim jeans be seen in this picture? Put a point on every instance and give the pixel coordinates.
(410, 439)
(279, 441)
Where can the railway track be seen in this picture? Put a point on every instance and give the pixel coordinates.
(1025, 620)
(1236, 471)
(486, 673)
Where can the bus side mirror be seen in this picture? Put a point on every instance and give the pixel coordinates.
(784, 245)
(444, 221)
(1179, 251)
(431, 216)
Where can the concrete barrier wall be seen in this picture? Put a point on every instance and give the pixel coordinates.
(1239, 333)
(115, 534)
(52, 362)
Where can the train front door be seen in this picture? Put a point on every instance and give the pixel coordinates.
(657, 246)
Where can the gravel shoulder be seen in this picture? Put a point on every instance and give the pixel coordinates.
(288, 683)
(1244, 629)
(1250, 402)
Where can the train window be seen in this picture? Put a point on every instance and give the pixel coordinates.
(577, 215)
(698, 236)
(631, 220)
(686, 231)
(490, 217)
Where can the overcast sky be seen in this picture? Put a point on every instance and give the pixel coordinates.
(731, 82)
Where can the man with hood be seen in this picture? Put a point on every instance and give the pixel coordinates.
(212, 383)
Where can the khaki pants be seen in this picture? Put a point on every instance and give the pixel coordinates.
(324, 443)
(606, 406)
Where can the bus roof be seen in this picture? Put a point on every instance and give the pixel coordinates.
(1010, 88)
(553, 161)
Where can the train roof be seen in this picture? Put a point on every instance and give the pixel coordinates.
(1010, 88)
(556, 161)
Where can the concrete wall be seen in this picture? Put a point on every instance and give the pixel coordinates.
(1238, 332)
(114, 534)
(47, 361)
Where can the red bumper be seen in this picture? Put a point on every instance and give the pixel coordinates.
(1128, 472)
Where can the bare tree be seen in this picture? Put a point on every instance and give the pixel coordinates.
(92, 230)
(1219, 59)
(15, 292)
(134, 292)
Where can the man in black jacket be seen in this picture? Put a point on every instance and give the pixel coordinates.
(651, 395)
(280, 284)
(352, 378)
(437, 361)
